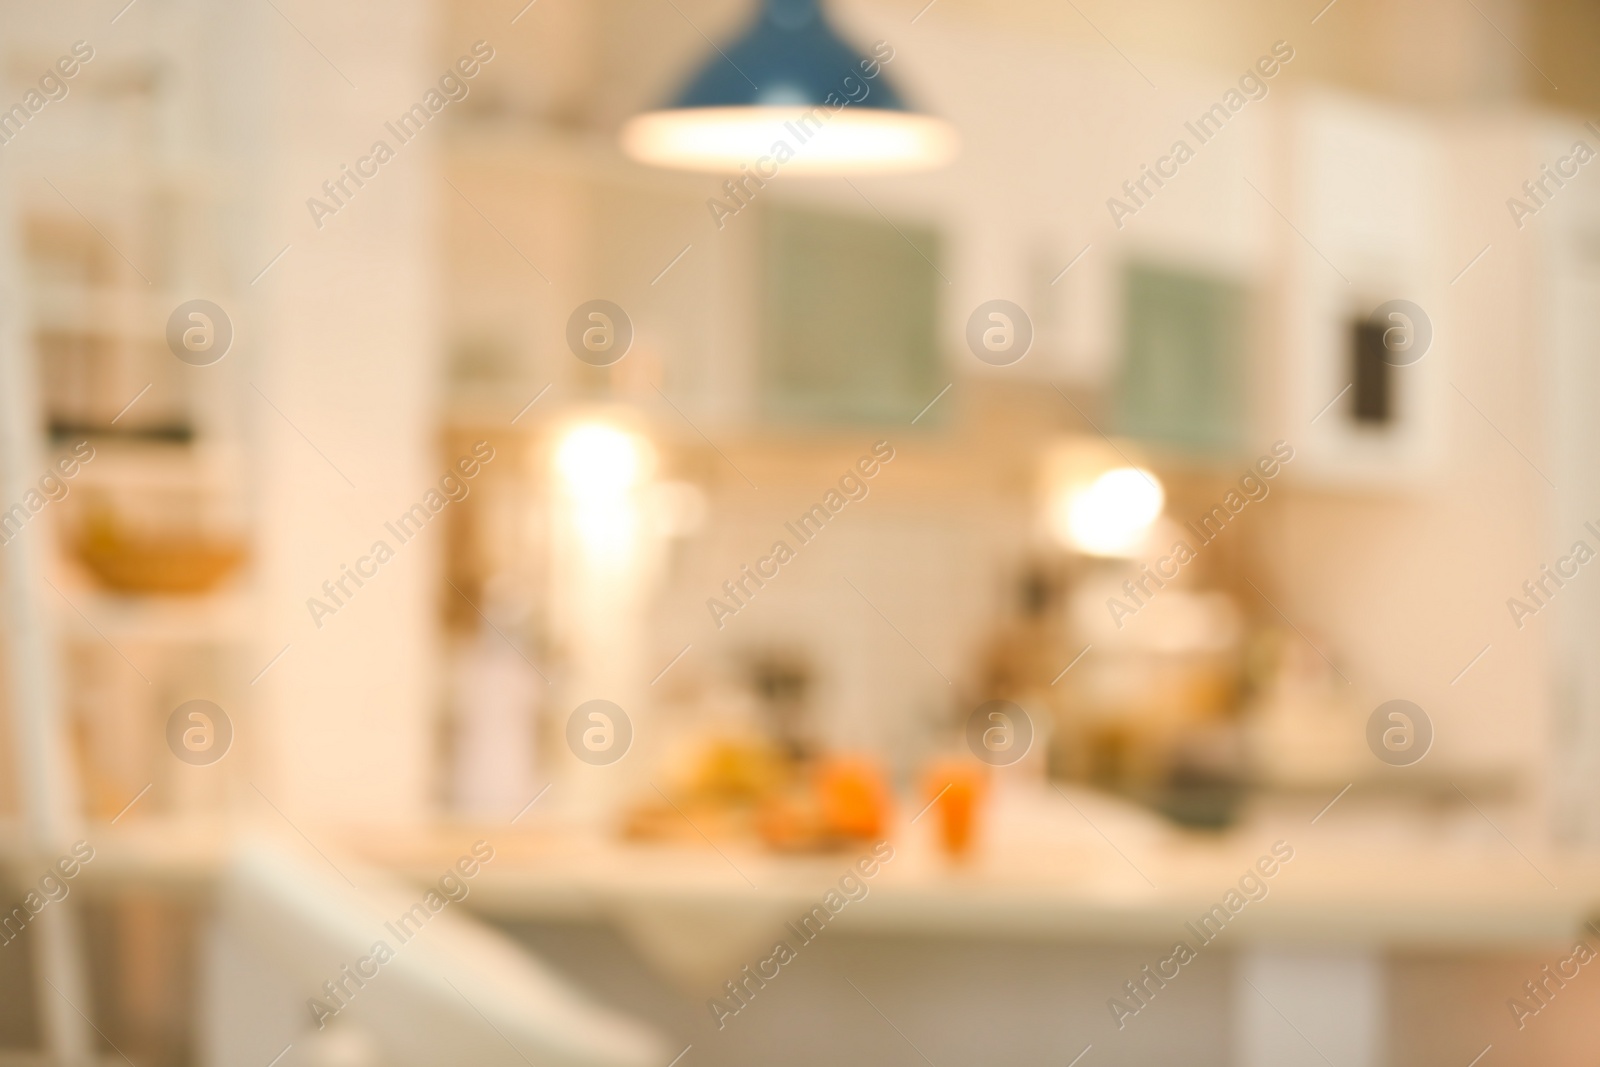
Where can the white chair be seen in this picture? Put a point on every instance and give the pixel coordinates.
(456, 991)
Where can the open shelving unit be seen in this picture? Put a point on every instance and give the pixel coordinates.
(109, 219)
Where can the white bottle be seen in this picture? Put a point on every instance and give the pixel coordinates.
(495, 697)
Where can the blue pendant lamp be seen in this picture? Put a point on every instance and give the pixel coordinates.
(791, 78)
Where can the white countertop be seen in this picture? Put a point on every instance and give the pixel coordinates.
(1095, 870)
(1088, 868)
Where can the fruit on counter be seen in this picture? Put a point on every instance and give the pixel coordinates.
(791, 822)
(852, 795)
(737, 771)
(844, 798)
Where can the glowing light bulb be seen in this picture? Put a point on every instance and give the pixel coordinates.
(601, 468)
(1112, 516)
(854, 141)
(599, 461)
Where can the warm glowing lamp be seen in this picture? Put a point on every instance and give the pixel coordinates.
(604, 565)
(599, 461)
(1112, 515)
(790, 78)
(601, 466)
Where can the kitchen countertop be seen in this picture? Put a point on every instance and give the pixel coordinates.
(1070, 865)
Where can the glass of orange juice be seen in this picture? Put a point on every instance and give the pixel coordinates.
(956, 789)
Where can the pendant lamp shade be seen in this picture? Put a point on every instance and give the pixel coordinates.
(791, 81)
